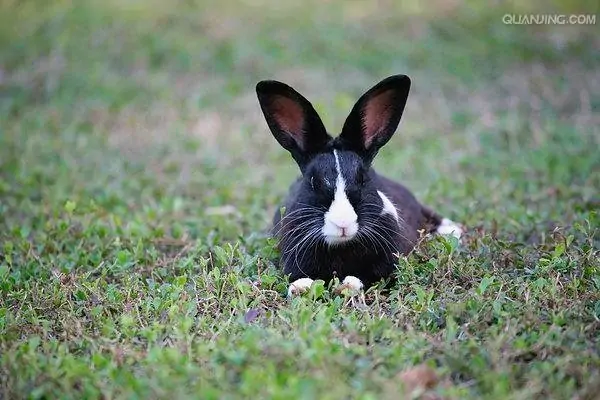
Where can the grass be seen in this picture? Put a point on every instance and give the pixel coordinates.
(137, 179)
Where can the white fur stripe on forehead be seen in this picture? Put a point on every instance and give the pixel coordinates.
(340, 179)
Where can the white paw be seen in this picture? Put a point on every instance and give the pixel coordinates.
(353, 283)
(299, 286)
(350, 285)
(449, 227)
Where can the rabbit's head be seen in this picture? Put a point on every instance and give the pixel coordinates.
(336, 193)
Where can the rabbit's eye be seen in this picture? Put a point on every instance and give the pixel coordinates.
(319, 184)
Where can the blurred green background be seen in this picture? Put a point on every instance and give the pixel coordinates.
(134, 162)
(169, 86)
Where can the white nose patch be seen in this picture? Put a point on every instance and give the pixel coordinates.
(340, 220)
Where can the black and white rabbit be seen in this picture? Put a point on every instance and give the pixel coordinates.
(341, 217)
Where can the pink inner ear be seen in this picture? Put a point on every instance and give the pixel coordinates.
(376, 115)
(290, 117)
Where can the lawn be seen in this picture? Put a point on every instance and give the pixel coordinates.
(138, 179)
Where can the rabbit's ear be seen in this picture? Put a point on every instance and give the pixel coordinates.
(292, 120)
(375, 116)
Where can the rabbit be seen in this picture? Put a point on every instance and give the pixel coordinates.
(341, 218)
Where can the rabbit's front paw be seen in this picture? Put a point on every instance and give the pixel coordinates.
(351, 284)
(299, 286)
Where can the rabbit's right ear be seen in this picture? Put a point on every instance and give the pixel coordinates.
(292, 120)
(376, 116)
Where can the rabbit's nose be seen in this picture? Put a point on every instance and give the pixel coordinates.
(342, 224)
(344, 227)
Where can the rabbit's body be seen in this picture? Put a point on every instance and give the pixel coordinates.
(341, 218)
(387, 230)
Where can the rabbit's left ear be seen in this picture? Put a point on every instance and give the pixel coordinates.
(292, 120)
(375, 116)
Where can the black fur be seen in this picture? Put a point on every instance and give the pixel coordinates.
(373, 253)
